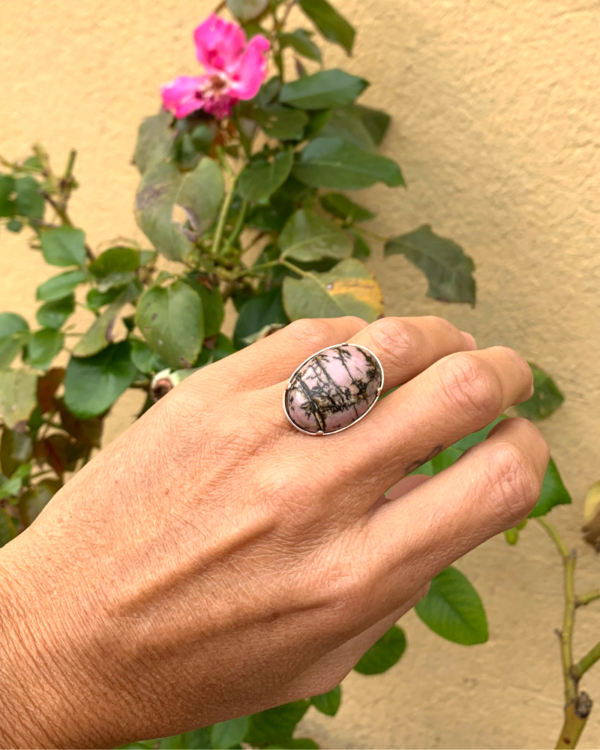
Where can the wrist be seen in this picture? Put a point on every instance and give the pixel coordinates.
(36, 686)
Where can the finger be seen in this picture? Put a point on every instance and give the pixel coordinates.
(493, 487)
(404, 346)
(407, 346)
(456, 396)
(330, 670)
(275, 357)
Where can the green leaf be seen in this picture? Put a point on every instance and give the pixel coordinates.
(341, 206)
(323, 90)
(247, 10)
(61, 286)
(64, 246)
(384, 654)
(43, 346)
(100, 334)
(93, 384)
(309, 237)
(16, 448)
(349, 127)
(29, 202)
(330, 23)
(444, 263)
(212, 303)
(145, 359)
(332, 163)
(277, 121)
(14, 225)
(154, 141)
(164, 188)
(453, 609)
(116, 266)
(17, 396)
(376, 122)
(12, 323)
(553, 492)
(276, 726)
(227, 734)
(546, 397)
(261, 178)
(96, 299)
(300, 40)
(12, 487)
(222, 348)
(361, 250)
(445, 459)
(7, 528)
(328, 703)
(348, 289)
(35, 499)
(7, 189)
(477, 437)
(258, 312)
(55, 314)
(14, 332)
(171, 320)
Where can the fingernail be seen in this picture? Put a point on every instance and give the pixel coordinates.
(471, 343)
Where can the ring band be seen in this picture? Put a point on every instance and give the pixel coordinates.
(333, 389)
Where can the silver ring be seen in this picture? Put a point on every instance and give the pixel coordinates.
(333, 389)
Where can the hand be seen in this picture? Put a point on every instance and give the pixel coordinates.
(213, 561)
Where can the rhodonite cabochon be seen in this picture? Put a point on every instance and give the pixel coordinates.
(333, 389)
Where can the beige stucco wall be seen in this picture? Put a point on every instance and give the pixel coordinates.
(496, 119)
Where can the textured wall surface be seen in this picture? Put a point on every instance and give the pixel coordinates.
(496, 122)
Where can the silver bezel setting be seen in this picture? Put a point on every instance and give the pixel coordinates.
(320, 433)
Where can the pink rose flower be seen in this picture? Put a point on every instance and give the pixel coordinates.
(235, 70)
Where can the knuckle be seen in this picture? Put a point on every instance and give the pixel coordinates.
(392, 337)
(472, 385)
(513, 485)
(310, 331)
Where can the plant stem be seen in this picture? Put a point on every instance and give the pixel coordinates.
(586, 662)
(224, 210)
(294, 268)
(577, 704)
(368, 232)
(70, 164)
(576, 716)
(238, 228)
(585, 599)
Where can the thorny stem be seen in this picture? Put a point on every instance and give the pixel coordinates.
(578, 704)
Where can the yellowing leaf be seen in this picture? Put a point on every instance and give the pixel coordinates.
(348, 289)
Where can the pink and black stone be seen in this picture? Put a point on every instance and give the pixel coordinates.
(333, 389)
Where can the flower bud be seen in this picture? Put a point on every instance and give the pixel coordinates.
(591, 517)
(165, 380)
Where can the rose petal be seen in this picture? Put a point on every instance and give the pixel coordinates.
(251, 69)
(219, 43)
(180, 95)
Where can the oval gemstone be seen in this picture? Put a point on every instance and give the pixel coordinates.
(333, 389)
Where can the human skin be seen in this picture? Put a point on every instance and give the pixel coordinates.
(214, 562)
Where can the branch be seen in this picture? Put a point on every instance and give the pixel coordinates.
(566, 635)
(586, 662)
(585, 599)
